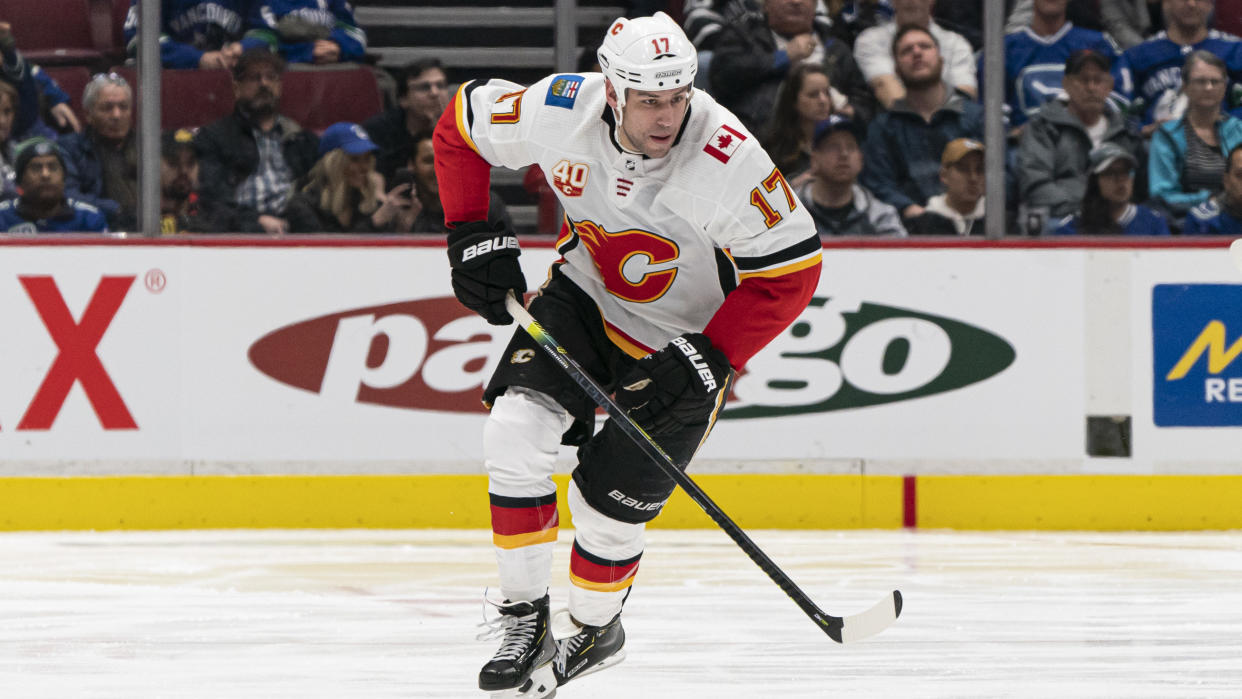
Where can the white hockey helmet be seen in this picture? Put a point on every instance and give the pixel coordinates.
(647, 53)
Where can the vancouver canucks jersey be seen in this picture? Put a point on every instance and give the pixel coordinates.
(656, 243)
(1151, 73)
(1035, 65)
(190, 27)
(74, 217)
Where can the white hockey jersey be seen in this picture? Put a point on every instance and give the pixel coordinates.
(657, 243)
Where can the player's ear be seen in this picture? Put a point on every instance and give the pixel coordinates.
(610, 94)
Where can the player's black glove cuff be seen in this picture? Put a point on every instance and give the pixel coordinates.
(485, 268)
(676, 387)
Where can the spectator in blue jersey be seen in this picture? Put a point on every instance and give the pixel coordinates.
(901, 158)
(422, 95)
(1107, 208)
(250, 161)
(1222, 214)
(43, 206)
(1151, 72)
(833, 197)
(1187, 156)
(101, 163)
(203, 34)
(55, 102)
(1035, 59)
(856, 16)
(307, 31)
(754, 55)
(1052, 155)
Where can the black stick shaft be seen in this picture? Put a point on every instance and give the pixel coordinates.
(830, 624)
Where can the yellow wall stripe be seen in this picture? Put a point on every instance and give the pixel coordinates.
(756, 501)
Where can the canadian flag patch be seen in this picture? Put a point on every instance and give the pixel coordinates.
(723, 144)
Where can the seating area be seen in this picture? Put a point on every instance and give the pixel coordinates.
(87, 38)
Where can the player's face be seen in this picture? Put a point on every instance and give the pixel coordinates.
(1204, 86)
(8, 111)
(963, 180)
(814, 99)
(1233, 180)
(43, 179)
(652, 119)
(837, 159)
(112, 113)
(1117, 182)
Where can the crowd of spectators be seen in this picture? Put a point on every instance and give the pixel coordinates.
(1121, 116)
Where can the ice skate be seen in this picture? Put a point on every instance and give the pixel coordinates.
(581, 650)
(522, 668)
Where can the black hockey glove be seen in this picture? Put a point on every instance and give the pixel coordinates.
(485, 269)
(675, 387)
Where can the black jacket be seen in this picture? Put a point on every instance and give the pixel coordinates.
(228, 154)
(746, 71)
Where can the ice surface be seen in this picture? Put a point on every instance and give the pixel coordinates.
(392, 614)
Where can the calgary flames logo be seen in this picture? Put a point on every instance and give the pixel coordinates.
(635, 265)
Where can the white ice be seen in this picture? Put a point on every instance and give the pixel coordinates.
(392, 614)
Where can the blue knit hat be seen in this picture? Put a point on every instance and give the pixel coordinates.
(32, 148)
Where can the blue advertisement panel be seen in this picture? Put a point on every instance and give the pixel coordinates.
(1196, 343)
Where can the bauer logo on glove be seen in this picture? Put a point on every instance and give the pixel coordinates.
(676, 387)
(509, 242)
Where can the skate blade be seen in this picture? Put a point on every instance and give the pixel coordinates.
(602, 665)
(540, 685)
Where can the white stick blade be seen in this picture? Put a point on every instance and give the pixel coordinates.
(873, 621)
(1236, 251)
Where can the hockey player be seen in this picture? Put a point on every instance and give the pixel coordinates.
(686, 252)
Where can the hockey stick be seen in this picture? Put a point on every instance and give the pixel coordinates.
(840, 629)
(1236, 250)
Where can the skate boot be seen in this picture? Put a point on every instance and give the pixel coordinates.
(581, 650)
(523, 665)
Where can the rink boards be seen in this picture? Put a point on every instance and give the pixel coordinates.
(334, 383)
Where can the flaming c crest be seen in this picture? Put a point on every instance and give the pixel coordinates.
(634, 264)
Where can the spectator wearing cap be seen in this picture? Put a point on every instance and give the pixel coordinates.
(1186, 161)
(838, 204)
(203, 34)
(43, 206)
(959, 211)
(101, 162)
(250, 161)
(306, 31)
(179, 206)
(874, 51)
(1222, 214)
(422, 95)
(901, 157)
(1036, 56)
(755, 53)
(1107, 208)
(1052, 154)
(344, 193)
